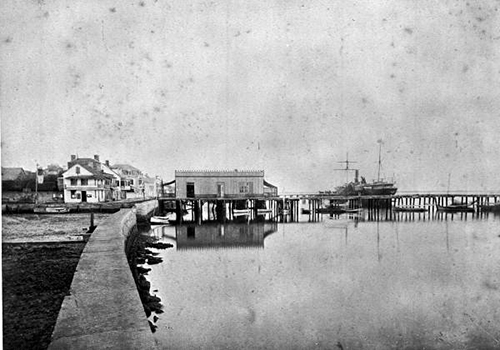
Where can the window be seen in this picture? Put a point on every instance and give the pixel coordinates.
(131, 182)
(245, 187)
(78, 195)
(77, 169)
(85, 182)
(73, 194)
(74, 182)
(117, 183)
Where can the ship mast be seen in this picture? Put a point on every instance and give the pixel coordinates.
(346, 169)
(379, 161)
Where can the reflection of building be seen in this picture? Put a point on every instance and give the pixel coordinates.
(222, 184)
(229, 235)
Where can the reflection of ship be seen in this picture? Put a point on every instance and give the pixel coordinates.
(377, 187)
(491, 207)
(228, 235)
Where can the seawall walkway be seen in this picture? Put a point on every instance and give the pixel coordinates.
(104, 310)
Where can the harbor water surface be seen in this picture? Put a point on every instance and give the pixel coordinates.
(409, 283)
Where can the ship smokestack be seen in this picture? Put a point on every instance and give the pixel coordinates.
(356, 175)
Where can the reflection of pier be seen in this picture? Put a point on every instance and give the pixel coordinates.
(218, 236)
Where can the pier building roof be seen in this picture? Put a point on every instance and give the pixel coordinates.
(219, 173)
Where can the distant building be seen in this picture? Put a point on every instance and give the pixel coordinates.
(89, 180)
(222, 184)
(134, 183)
(21, 186)
(13, 174)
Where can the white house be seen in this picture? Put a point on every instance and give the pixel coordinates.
(89, 180)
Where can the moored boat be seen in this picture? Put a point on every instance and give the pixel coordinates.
(410, 208)
(261, 207)
(455, 208)
(162, 220)
(241, 208)
(51, 209)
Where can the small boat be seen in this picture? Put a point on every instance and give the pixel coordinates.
(162, 220)
(241, 208)
(410, 208)
(51, 210)
(262, 208)
(455, 208)
(241, 212)
(337, 209)
(264, 211)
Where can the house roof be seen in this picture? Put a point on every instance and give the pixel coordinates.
(96, 173)
(10, 174)
(124, 167)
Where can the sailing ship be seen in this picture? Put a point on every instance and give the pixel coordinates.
(377, 187)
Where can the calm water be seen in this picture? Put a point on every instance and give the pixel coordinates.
(432, 284)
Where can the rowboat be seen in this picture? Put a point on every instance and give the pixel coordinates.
(410, 208)
(50, 210)
(162, 220)
(455, 208)
(241, 212)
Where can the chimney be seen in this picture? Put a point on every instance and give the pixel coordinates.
(73, 157)
(107, 163)
(96, 157)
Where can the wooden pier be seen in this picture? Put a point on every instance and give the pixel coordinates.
(288, 208)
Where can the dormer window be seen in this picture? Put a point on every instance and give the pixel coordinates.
(77, 169)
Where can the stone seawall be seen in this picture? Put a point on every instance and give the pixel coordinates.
(104, 310)
(145, 210)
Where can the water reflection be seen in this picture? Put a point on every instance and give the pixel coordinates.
(413, 282)
(216, 235)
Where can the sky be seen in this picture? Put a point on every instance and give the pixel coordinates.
(288, 87)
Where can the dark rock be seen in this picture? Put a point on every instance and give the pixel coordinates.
(143, 283)
(152, 326)
(142, 270)
(147, 310)
(154, 260)
(155, 307)
(149, 252)
(158, 245)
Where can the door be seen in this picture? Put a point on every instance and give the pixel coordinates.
(220, 189)
(84, 196)
(190, 189)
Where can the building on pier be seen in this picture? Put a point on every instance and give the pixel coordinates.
(222, 184)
